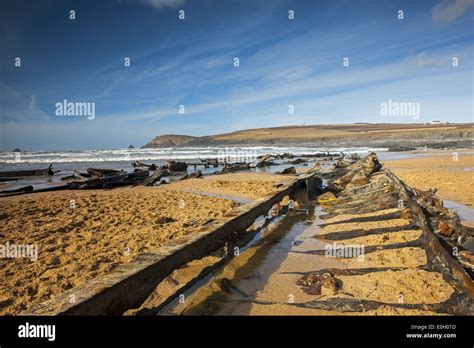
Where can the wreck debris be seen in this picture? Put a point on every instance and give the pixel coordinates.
(20, 174)
(129, 285)
(359, 179)
(365, 189)
(176, 166)
(262, 161)
(112, 180)
(342, 164)
(287, 171)
(443, 221)
(466, 258)
(77, 176)
(299, 160)
(28, 188)
(369, 164)
(399, 148)
(207, 163)
(229, 168)
(138, 164)
(317, 166)
(194, 175)
(327, 197)
(104, 172)
(152, 179)
(359, 171)
(317, 283)
(210, 162)
(381, 191)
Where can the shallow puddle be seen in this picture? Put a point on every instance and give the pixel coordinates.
(262, 278)
(465, 213)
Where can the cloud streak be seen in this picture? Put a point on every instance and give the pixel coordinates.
(158, 4)
(447, 11)
(281, 62)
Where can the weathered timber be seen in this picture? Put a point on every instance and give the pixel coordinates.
(457, 305)
(115, 180)
(152, 179)
(176, 166)
(128, 285)
(138, 164)
(313, 187)
(20, 174)
(385, 217)
(356, 171)
(433, 244)
(288, 171)
(104, 172)
(262, 161)
(239, 239)
(299, 160)
(46, 189)
(229, 168)
(194, 175)
(365, 232)
(74, 176)
(28, 188)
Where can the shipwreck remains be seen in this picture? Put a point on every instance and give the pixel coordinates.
(365, 196)
(22, 174)
(362, 202)
(130, 284)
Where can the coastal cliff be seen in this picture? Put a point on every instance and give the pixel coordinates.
(382, 135)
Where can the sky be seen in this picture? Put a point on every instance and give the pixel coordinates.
(191, 63)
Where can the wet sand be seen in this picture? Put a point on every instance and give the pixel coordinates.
(453, 178)
(84, 234)
(263, 279)
(242, 186)
(108, 228)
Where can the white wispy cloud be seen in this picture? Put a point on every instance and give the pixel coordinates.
(447, 11)
(278, 68)
(19, 106)
(163, 3)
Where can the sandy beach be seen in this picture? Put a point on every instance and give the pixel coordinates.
(395, 269)
(84, 234)
(235, 159)
(453, 176)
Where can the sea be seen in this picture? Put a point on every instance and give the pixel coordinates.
(122, 158)
(67, 162)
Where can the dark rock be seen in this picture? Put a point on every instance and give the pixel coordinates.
(162, 220)
(175, 166)
(445, 229)
(321, 282)
(400, 148)
(289, 170)
(327, 197)
(298, 161)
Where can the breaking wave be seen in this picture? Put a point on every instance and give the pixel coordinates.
(188, 153)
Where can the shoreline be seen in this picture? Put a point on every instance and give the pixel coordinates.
(103, 229)
(453, 176)
(87, 233)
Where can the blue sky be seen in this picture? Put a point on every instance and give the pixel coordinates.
(190, 62)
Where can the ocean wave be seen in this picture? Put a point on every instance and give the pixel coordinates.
(189, 153)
